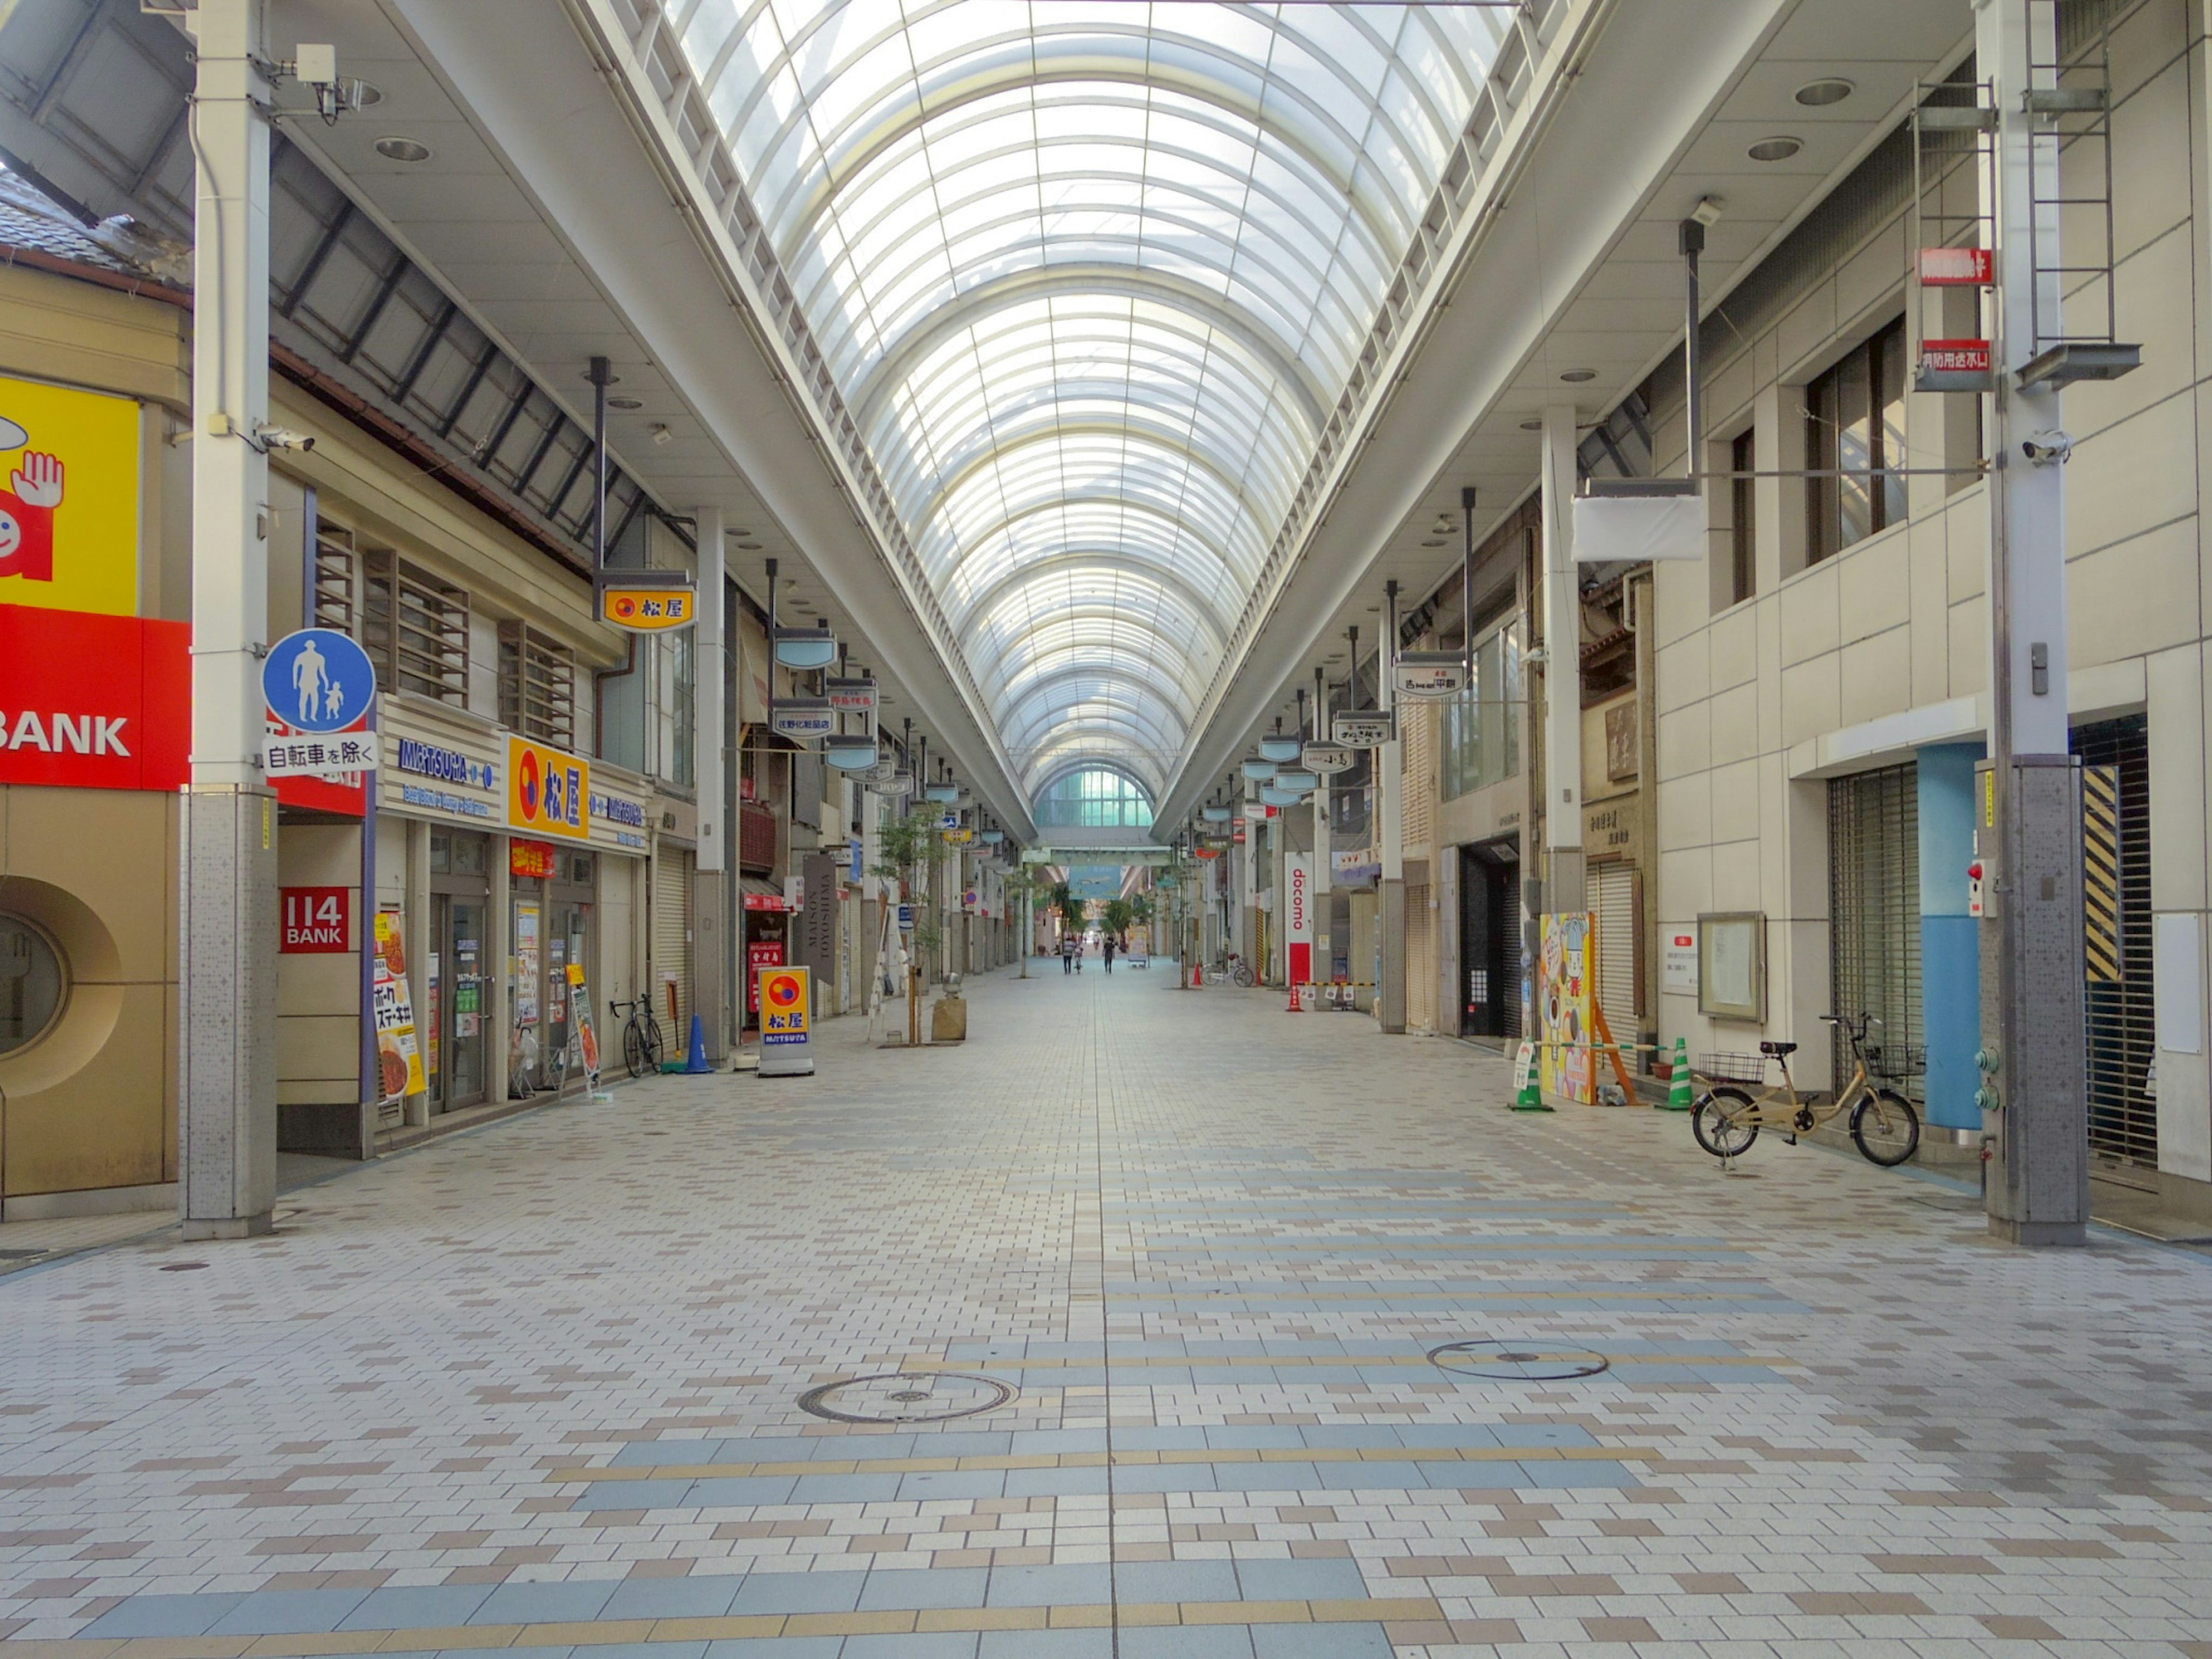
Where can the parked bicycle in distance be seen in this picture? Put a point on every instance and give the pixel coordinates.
(640, 1035)
(1728, 1117)
(1230, 969)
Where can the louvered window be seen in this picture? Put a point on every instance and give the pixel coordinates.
(536, 685)
(337, 572)
(414, 627)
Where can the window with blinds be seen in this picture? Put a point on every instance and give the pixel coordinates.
(536, 685)
(1874, 907)
(414, 627)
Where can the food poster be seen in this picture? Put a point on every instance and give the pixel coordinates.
(399, 1061)
(579, 1011)
(1565, 989)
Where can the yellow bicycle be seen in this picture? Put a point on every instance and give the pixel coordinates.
(1726, 1119)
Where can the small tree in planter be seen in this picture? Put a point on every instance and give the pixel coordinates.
(1114, 917)
(912, 847)
(1020, 886)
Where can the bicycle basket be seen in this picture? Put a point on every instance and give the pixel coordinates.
(1896, 1061)
(1733, 1068)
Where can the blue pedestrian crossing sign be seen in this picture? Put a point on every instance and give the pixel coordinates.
(318, 680)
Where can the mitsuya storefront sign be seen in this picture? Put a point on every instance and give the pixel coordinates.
(439, 768)
(549, 791)
(617, 819)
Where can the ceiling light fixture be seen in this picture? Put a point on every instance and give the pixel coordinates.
(625, 403)
(402, 150)
(1819, 94)
(367, 94)
(1775, 150)
(1576, 376)
(1433, 541)
(1532, 425)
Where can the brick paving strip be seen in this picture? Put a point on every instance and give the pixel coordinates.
(535, 1389)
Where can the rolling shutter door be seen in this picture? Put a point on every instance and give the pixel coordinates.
(671, 947)
(2122, 1034)
(1421, 961)
(1874, 903)
(1612, 898)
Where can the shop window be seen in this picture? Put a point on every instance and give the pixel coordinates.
(33, 983)
(414, 627)
(1743, 520)
(536, 685)
(1095, 798)
(1855, 433)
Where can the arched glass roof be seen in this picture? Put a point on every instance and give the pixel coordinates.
(1090, 273)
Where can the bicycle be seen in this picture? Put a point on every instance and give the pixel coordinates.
(640, 1035)
(1230, 969)
(1726, 1119)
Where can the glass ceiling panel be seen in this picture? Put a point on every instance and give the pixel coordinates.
(1090, 274)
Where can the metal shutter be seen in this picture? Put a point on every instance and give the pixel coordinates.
(2123, 1118)
(1874, 900)
(672, 945)
(1420, 960)
(1612, 898)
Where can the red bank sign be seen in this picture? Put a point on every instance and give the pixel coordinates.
(91, 702)
(318, 921)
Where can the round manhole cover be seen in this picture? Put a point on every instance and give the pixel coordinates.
(1517, 1361)
(906, 1397)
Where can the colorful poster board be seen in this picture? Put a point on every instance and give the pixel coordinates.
(399, 1061)
(1566, 976)
(70, 507)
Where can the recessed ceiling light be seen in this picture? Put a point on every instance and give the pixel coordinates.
(1775, 150)
(750, 547)
(1819, 94)
(367, 94)
(1434, 541)
(1532, 425)
(1576, 376)
(402, 150)
(625, 403)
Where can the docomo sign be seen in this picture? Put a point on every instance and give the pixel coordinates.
(548, 790)
(1299, 937)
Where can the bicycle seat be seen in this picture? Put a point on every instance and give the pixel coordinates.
(1777, 1049)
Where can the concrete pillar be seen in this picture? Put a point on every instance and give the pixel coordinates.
(1564, 889)
(1389, 828)
(710, 886)
(226, 1112)
(2029, 822)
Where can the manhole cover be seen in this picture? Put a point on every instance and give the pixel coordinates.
(1530, 1361)
(906, 1397)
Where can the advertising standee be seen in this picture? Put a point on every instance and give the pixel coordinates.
(786, 1004)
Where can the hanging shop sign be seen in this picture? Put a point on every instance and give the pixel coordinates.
(317, 921)
(548, 790)
(1957, 267)
(1328, 759)
(399, 1061)
(855, 695)
(1257, 771)
(768, 901)
(647, 601)
(1633, 521)
(1954, 365)
(786, 1004)
(69, 518)
(94, 701)
(1275, 800)
(1217, 814)
(1278, 749)
(534, 860)
(959, 837)
(1428, 674)
(1036, 855)
(803, 720)
(805, 647)
(1369, 730)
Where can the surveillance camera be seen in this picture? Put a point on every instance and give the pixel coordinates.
(1707, 210)
(2048, 449)
(282, 437)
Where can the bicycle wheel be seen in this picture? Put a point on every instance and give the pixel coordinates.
(1725, 1122)
(634, 1049)
(1886, 1127)
(1244, 980)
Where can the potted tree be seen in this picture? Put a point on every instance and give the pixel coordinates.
(912, 847)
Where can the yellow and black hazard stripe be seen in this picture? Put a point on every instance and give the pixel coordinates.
(2100, 871)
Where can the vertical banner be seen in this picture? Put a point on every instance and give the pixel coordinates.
(585, 1036)
(399, 1062)
(1298, 918)
(1564, 994)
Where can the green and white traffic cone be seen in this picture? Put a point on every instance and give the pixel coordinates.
(1678, 1086)
(1531, 1098)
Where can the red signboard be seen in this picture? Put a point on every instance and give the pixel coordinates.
(1957, 267)
(531, 858)
(766, 902)
(318, 921)
(1955, 356)
(91, 702)
(760, 953)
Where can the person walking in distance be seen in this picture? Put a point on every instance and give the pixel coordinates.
(1068, 953)
(1106, 946)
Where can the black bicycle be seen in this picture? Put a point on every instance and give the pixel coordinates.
(640, 1035)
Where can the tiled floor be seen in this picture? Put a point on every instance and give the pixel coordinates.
(536, 1387)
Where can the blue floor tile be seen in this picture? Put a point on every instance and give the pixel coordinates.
(700, 1597)
(163, 1615)
(799, 1592)
(417, 1607)
(646, 1651)
(1320, 1642)
(1176, 1581)
(772, 1647)
(647, 1454)
(925, 1484)
(909, 1587)
(738, 1491)
(1044, 1644)
(918, 1644)
(529, 1603)
(1323, 1580)
(1045, 1586)
(1186, 1642)
(276, 1613)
